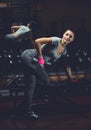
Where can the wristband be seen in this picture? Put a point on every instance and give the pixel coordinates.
(74, 80)
(41, 60)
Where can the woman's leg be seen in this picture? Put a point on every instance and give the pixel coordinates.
(27, 58)
(32, 70)
(30, 81)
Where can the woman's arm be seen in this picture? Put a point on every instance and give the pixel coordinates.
(14, 28)
(67, 67)
(69, 72)
(39, 42)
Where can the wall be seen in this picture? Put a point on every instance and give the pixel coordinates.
(63, 14)
(53, 17)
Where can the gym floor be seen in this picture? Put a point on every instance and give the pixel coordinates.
(65, 113)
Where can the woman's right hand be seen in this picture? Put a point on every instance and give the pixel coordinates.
(41, 61)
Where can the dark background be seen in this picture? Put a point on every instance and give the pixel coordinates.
(51, 18)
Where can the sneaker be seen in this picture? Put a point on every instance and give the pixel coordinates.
(32, 116)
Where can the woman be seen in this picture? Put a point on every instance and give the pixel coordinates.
(48, 50)
(20, 32)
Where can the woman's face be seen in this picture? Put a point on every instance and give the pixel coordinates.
(68, 37)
